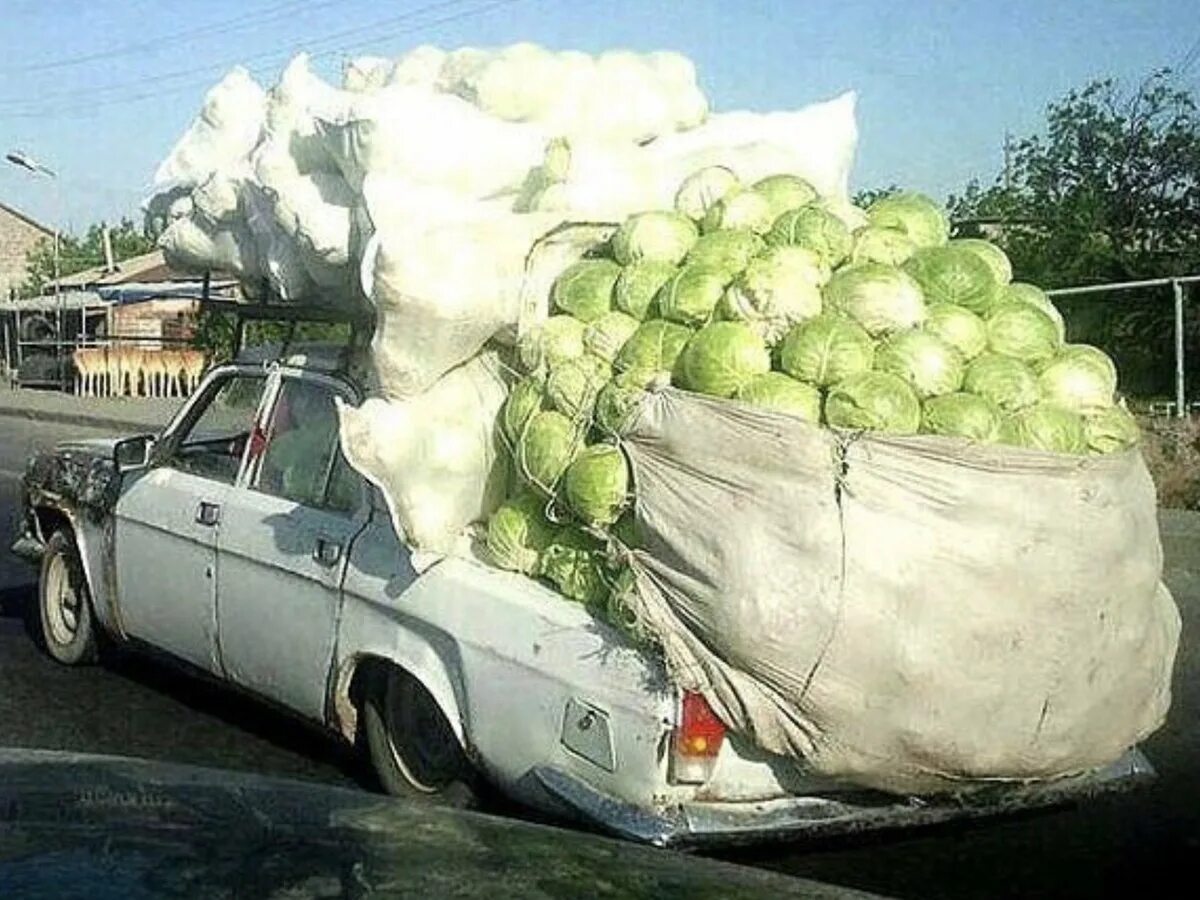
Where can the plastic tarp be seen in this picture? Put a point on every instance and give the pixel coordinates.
(906, 613)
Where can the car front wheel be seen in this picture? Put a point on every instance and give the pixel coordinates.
(64, 603)
(413, 749)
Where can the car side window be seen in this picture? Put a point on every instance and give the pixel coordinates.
(302, 460)
(212, 446)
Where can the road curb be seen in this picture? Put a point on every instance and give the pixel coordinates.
(82, 419)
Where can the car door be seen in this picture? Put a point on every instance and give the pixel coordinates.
(282, 548)
(167, 519)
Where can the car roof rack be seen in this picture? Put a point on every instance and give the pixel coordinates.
(269, 307)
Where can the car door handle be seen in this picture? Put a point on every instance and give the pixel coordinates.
(327, 552)
(208, 514)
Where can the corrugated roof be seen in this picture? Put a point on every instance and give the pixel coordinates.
(147, 267)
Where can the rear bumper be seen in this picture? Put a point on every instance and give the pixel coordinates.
(724, 824)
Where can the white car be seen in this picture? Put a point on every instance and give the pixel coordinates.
(241, 543)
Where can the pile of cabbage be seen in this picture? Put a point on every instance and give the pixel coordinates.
(766, 294)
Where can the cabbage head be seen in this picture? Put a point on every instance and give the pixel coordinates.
(518, 531)
(720, 358)
(914, 214)
(571, 386)
(585, 289)
(1078, 380)
(814, 228)
(691, 296)
(659, 235)
(880, 298)
(961, 415)
(785, 192)
(739, 209)
(954, 274)
(1008, 383)
(550, 442)
(1020, 292)
(524, 401)
(824, 350)
(1110, 430)
(874, 401)
(654, 347)
(619, 399)
(596, 484)
(1087, 355)
(606, 335)
(638, 284)
(853, 217)
(995, 258)
(728, 251)
(782, 393)
(958, 327)
(1023, 332)
(930, 365)
(574, 563)
(703, 189)
(1045, 426)
(776, 291)
(557, 339)
(876, 244)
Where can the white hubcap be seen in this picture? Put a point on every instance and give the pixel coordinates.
(62, 603)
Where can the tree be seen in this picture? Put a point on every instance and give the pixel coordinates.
(867, 196)
(1109, 192)
(76, 254)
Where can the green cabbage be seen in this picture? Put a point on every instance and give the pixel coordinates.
(701, 190)
(990, 254)
(880, 298)
(728, 251)
(739, 209)
(585, 289)
(1079, 379)
(954, 274)
(1023, 332)
(618, 400)
(874, 243)
(659, 235)
(914, 214)
(720, 358)
(825, 350)
(961, 415)
(853, 217)
(876, 401)
(784, 193)
(518, 532)
(571, 386)
(1110, 430)
(776, 291)
(1006, 382)
(1020, 292)
(638, 284)
(626, 530)
(691, 296)
(1045, 426)
(574, 563)
(774, 390)
(654, 347)
(958, 327)
(550, 442)
(930, 365)
(606, 335)
(814, 228)
(558, 338)
(596, 484)
(524, 401)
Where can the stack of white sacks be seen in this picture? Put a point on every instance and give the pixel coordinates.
(421, 186)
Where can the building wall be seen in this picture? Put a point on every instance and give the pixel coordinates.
(17, 238)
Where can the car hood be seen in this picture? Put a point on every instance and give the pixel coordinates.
(132, 829)
(79, 474)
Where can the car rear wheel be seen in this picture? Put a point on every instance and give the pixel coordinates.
(64, 604)
(413, 749)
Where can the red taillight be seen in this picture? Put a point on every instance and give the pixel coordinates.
(698, 740)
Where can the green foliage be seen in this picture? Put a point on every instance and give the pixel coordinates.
(75, 254)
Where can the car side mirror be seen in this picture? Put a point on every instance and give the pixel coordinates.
(131, 454)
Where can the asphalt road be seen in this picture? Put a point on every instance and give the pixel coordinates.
(1121, 846)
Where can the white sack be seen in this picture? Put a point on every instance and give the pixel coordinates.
(293, 108)
(224, 133)
(434, 456)
(367, 73)
(908, 613)
(419, 67)
(191, 244)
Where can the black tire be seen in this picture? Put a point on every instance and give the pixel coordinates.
(68, 628)
(413, 749)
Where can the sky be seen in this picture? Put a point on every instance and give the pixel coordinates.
(99, 90)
